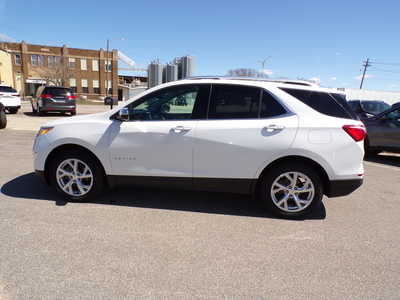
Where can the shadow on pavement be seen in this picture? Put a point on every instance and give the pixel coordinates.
(386, 159)
(30, 186)
(49, 114)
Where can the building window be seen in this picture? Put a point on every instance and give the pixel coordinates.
(37, 60)
(53, 61)
(83, 64)
(95, 65)
(107, 66)
(72, 84)
(85, 88)
(108, 86)
(71, 62)
(18, 60)
(96, 87)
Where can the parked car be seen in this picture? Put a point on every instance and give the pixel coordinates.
(286, 143)
(10, 98)
(3, 117)
(368, 108)
(383, 131)
(53, 99)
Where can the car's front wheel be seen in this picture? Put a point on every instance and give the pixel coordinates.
(291, 190)
(77, 175)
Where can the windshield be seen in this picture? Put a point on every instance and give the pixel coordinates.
(374, 107)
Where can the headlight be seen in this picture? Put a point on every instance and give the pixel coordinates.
(44, 130)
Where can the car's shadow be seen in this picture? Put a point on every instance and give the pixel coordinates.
(30, 186)
(50, 114)
(385, 159)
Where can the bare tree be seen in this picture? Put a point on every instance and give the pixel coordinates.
(56, 74)
(246, 72)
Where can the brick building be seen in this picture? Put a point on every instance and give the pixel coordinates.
(85, 71)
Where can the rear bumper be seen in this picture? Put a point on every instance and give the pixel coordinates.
(54, 107)
(338, 188)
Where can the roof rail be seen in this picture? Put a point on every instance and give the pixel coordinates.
(287, 81)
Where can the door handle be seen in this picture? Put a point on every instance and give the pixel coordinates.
(273, 127)
(180, 129)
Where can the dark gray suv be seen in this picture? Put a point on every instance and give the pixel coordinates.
(54, 99)
(383, 131)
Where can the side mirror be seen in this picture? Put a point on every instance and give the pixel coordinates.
(123, 114)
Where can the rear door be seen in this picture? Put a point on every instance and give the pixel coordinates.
(245, 127)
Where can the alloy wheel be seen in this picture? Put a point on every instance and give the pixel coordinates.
(292, 191)
(74, 177)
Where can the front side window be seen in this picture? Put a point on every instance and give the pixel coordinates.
(175, 103)
(234, 102)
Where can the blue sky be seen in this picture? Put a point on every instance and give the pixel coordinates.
(308, 39)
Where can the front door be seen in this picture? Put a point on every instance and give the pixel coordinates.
(157, 141)
(385, 131)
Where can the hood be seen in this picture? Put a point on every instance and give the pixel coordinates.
(75, 119)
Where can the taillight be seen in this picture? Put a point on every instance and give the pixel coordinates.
(46, 96)
(71, 97)
(357, 132)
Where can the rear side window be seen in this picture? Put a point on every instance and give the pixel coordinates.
(234, 102)
(57, 91)
(270, 107)
(324, 103)
(7, 89)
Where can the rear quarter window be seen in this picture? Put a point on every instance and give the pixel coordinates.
(323, 103)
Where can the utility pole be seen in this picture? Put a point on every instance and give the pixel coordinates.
(106, 68)
(365, 65)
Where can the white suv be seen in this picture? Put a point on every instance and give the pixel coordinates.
(10, 98)
(287, 143)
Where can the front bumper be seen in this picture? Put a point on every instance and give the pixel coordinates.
(338, 188)
(13, 106)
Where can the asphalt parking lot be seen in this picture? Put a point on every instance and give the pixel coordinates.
(154, 244)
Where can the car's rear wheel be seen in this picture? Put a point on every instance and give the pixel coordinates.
(291, 190)
(3, 119)
(77, 175)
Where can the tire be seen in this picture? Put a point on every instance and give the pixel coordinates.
(34, 111)
(3, 119)
(73, 113)
(13, 110)
(307, 178)
(91, 188)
